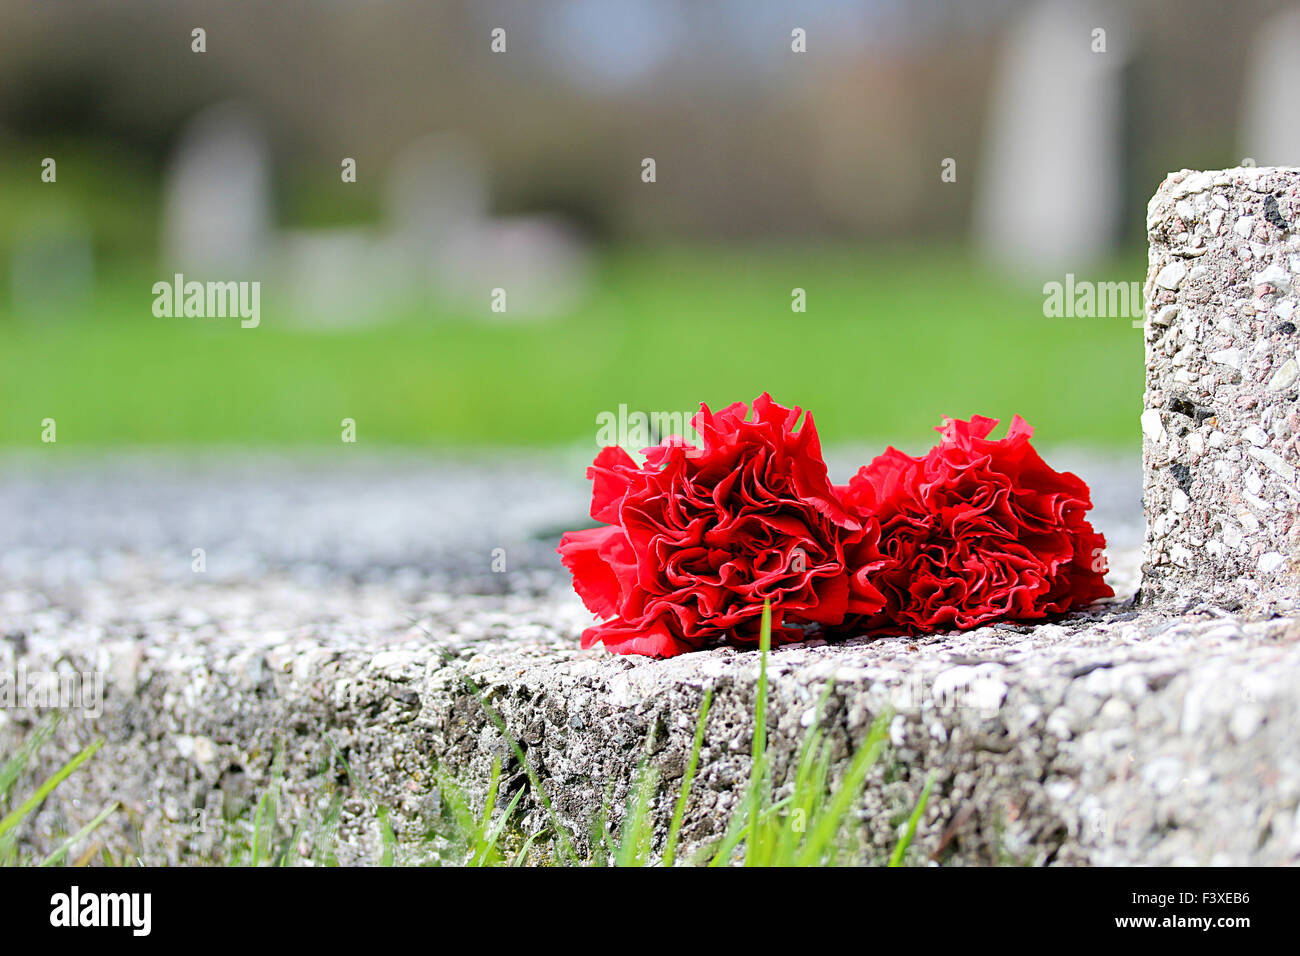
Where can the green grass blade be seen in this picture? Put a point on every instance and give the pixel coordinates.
(45, 789)
(494, 835)
(679, 811)
(561, 834)
(904, 841)
(758, 764)
(831, 820)
(291, 855)
(268, 809)
(387, 838)
(724, 849)
(490, 801)
(487, 854)
(568, 854)
(257, 829)
(12, 767)
(386, 835)
(601, 840)
(85, 831)
(326, 832)
(522, 855)
(805, 796)
(454, 800)
(634, 844)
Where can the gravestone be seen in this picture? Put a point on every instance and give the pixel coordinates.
(540, 261)
(1270, 128)
(443, 232)
(1220, 418)
(437, 187)
(1055, 117)
(217, 196)
(341, 277)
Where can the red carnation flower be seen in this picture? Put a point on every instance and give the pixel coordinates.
(976, 531)
(696, 539)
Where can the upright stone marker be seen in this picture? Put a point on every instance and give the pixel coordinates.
(1220, 421)
(1056, 117)
(1270, 126)
(217, 197)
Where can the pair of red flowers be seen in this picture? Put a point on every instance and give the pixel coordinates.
(697, 538)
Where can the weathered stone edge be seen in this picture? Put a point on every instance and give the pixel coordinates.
(1052, 763)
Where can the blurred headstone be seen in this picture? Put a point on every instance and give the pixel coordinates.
(1050, 185)
(1270, 129)
(438, 210)
(436, 188)
(341, 277)
(540, 262)
(438, 241)
(217, 196)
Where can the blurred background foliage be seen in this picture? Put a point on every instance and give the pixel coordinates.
(775, 171)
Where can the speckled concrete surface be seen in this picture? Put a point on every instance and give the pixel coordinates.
(1221, 427)
(348, 606)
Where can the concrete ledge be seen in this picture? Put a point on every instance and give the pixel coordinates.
(348, 599)
(1115, 737)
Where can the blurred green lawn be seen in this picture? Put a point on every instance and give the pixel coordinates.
(891, 340)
